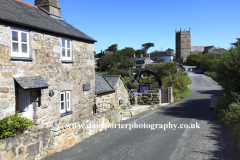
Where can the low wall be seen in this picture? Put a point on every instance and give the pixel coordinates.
(45, 142)
(147, 98)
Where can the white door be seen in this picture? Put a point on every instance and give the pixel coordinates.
(24, 104)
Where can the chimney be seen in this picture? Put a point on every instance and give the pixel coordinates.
(141, 55)
(134, 55)
(49, 6)
(171, 52)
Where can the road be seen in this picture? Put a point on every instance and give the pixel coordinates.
(210, 141)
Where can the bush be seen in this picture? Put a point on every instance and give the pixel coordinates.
(115, 71)
(231, 115)
(13, 126)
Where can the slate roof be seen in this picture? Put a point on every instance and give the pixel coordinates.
(31, 82)
(101, 85)
(138, 59)
(112, 80)
(160, 54)
(19, 13)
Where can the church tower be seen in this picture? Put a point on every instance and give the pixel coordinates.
(183, 44)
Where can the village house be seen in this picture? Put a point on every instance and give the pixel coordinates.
(110, 91)
(46, 65)
(168, 57)
(141, 62)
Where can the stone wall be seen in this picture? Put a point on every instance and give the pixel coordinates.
(147, 98)
(45, 52)
(45, 142)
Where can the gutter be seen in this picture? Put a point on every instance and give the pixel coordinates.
(105, 93)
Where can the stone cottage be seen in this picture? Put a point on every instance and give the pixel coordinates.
(110, 91)
(46, 65)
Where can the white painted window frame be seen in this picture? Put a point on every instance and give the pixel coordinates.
(19, 53)
(66, 101)
(66, 48)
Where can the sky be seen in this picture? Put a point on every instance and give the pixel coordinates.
(131, 23)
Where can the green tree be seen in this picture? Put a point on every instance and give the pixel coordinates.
(139, 52)
(161, 60)
(156, 59)
(146, 46)
(228, 72)
(236, 44)
(207, 60)
(128, 63)
(169, 50)
(113, 48)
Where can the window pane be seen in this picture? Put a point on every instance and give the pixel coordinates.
(68, 43)
(63, 42)
(24, 48)
(14, 36)
(68, 53)
(62, 105)
(63, 52)
(67, 96)
(62, 97)
(24, 37)
(68, 105)
(15, 47)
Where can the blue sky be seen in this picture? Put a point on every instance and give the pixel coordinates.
(131, 23)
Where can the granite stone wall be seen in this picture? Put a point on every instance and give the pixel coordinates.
(45, 61)
(45, 142)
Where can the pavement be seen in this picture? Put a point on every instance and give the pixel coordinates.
(135, 110)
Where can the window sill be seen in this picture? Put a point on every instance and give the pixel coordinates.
(67, 61)
(21, 59)
(66, 113)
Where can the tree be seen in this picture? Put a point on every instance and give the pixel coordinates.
(156, 59)
(125, 53)
(161, 60)
(146, 46)
(169, 50)
(128, 63)
(139, 52)
(113, 48)
(207, 60)
(236, 44)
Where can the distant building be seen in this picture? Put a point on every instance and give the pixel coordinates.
(168, 57)
(218, 51)
(141, 62)
(183, 44)
(104, 53)
(207, 49)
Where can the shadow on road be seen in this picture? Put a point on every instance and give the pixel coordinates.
(200, 109)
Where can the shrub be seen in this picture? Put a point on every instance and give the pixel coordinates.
(115, 71)
(13, 126)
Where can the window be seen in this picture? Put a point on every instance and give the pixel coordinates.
(20, 43)
(66, 49)
(65, 101)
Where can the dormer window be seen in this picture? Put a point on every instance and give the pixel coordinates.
(66, 49)
(20, 43)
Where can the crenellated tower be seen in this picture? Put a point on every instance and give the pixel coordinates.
(183, 43)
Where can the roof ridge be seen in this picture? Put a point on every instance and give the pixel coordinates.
(27, 3)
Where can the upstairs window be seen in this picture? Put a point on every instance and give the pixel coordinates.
(20, 43)
(66, 49)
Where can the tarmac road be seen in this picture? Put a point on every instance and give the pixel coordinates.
(210, 141)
